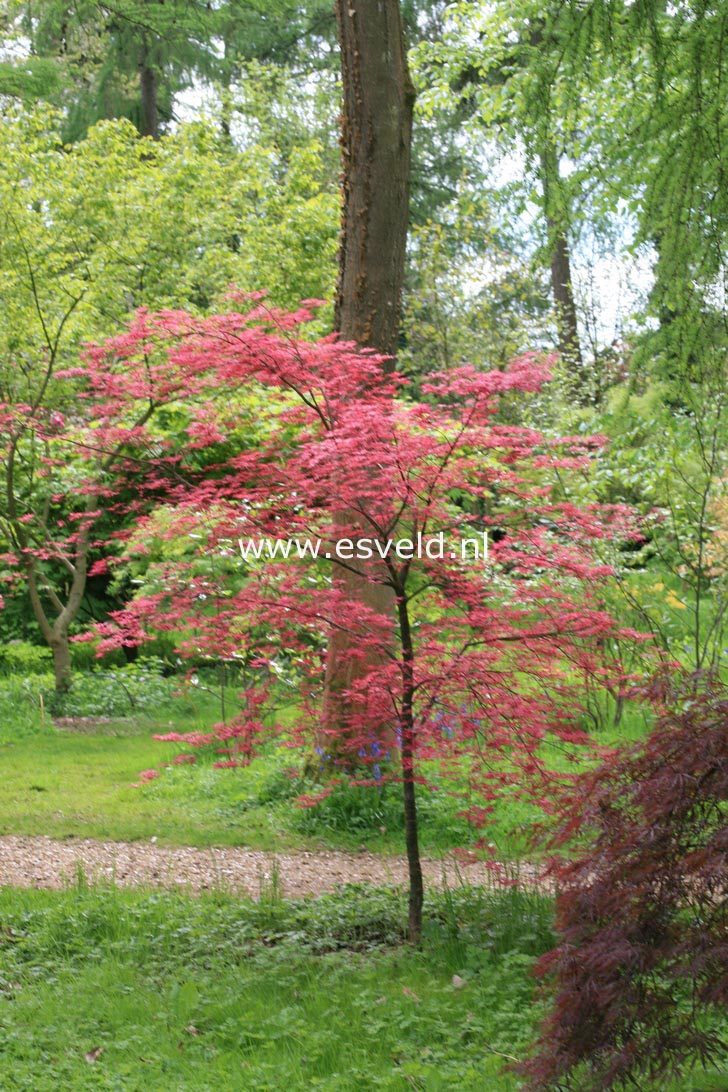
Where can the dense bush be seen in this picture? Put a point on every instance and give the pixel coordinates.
(641, 965)
(24, 658)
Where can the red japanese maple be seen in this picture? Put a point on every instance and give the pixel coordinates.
(640, 970)
(469, 665)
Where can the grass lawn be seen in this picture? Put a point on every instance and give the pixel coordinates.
(63, 784)
(79, 780)
(138, 990)
(154, 991)
(66, 783)
(103, 989)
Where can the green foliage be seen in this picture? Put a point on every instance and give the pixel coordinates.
(223, 993)
(96, 230)
(138, 687)
(469, 298)
(22, 658)
(22, 701)
(28, 697)
(268, 108)
(91, 60)
(135, 688)
(365, 811)
(98, 55)
(668, 462)
(30, 79)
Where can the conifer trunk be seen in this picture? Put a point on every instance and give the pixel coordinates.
(376, 134)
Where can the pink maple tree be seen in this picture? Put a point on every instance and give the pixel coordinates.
(472, 664)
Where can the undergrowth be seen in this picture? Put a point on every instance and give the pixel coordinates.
(108, 989)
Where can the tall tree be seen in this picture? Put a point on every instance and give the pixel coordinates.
(125, 58)
(376, 135)
(557, 241)
(481, 666)
(491, 69)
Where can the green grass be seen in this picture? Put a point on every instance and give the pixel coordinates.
(65, 784)
(81, 780)
(220, 994)
(104, 989)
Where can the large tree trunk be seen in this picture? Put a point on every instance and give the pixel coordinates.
(376, 130)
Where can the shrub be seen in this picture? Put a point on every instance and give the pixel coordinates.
(116, 692)
(641, 964)
(23, 658)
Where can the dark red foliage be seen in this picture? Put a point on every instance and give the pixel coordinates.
(641, 967)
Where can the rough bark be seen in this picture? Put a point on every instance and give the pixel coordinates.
(376, 132)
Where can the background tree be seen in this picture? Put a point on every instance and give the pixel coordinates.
(122, 60)
(491, 70)
(376, 128)
(92, 232)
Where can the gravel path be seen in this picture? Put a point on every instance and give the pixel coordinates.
(44, 862)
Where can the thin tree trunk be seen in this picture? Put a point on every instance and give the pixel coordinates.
(56, 633)
(376, 133)
(560, 263)
(407, 724)
(226, 92)
(149, 92)
(569, 345)
(61, 650)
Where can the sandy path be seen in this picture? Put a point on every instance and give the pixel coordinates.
(44, 862)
